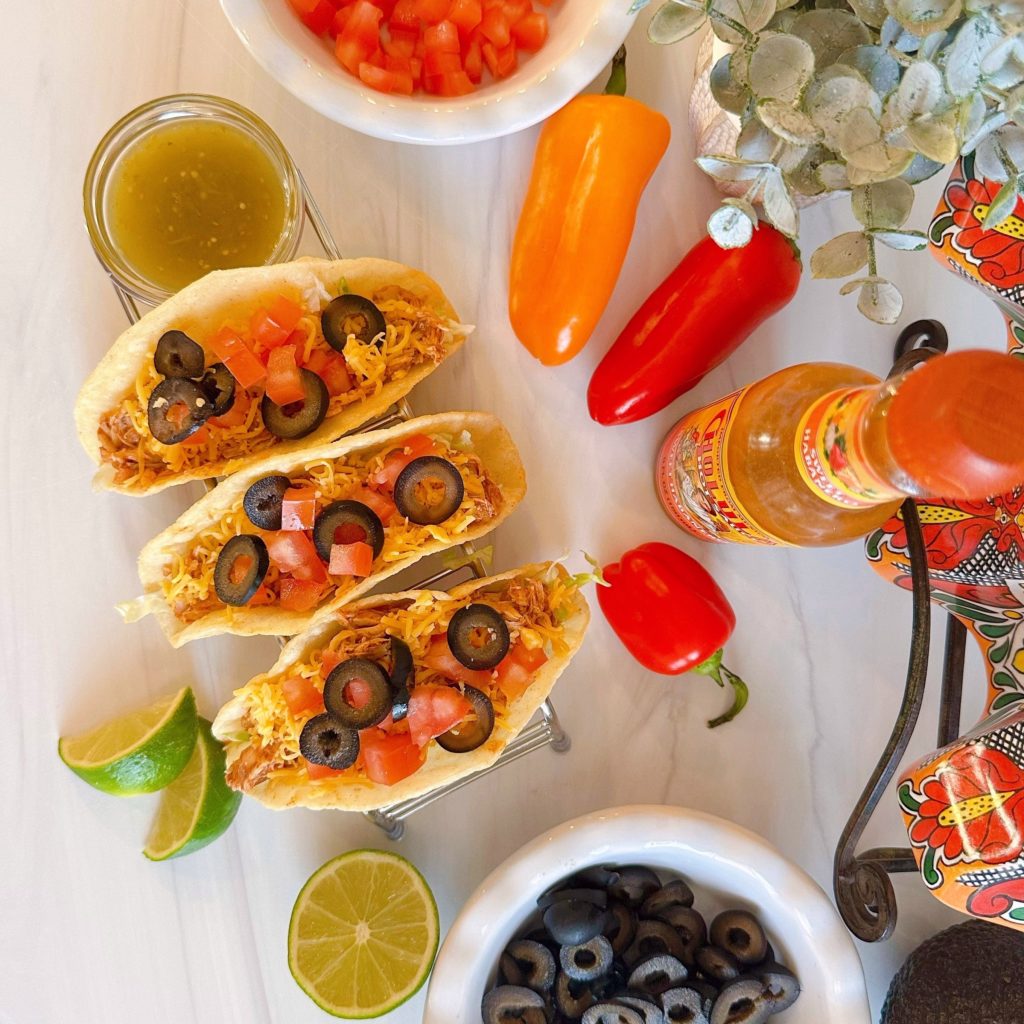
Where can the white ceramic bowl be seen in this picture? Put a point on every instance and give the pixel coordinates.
(727, 867)
(584, 35)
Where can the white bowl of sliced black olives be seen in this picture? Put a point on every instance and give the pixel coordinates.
(648, 915)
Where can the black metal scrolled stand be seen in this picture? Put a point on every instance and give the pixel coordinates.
(861, 884)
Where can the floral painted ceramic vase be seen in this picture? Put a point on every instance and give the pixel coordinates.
(964, 805)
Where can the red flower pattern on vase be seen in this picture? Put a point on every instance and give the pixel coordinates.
(998, 254)
(973, 807)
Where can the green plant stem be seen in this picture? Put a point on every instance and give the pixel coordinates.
(714, 669)
(617, 79)
(724, 19)
(872, 258)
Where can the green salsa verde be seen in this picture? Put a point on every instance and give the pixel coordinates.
(191, 196)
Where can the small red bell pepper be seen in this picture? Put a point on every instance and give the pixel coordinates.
(671, 616)
(697, 317)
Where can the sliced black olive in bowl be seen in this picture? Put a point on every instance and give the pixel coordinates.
(513, 1004)
(429, 490)
(572, 998)
(676, 894)
(262, 501)
(653, 938)
(635, 884)
(611, 1013)
(588, 960)
(401, 670)
(297, 419)
(741, 1002)
(740, 933)
(780, 985)
(689, 925)
(657, 975)
(531, 963)
(177, 355)
(596, 896)
(325, 741)
(346, 522)
(478, 636)
(651, 1013)
(573, 922)
(717, 964)
(475, 731)
(598, 876)
(684, 1006)
(218, 384)
(357, 693)
(620, 927)
(241, 566)
(352, 314)
(177, 409)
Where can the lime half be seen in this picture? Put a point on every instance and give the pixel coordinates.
(140, 752)
(363, 934)
(197, 806)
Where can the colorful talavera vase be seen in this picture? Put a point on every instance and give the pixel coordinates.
(964, 805)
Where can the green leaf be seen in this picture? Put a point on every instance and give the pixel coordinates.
(935, 139)
(833, 175)
(831, 33)
(885, 205)
(804, 179)
(922, 17)
(673, 21)
(974, 41)
(753, 15)
(921, 169)
(871, 12)
(729, 94)
(729, 168)
(920, 90)
(756, 143)
(830, 99)
(881, 303)
(907, 241)
(876, 64)
(1004, 203)
(780, 68)
(778, 205)
(788, 123)
(1000, 155)
(843, 255)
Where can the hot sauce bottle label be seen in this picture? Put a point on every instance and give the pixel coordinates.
(830, 451)
(693, 477)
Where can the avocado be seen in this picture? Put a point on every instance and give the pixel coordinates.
(972, 973)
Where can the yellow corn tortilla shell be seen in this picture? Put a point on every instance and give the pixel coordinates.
(441, 766)
(489, 440)
(225, 295)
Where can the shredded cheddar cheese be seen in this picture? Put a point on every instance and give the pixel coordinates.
(188, 586)
(530, 606)
(414, 335)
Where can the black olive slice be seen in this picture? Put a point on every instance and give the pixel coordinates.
(177, 409)
(741, 1002)
(781, 987)
(635, 884)
(611, 1013)
(429, 490)
(717, 964)
(653, 938)
(177, 355)
(650, 1012)
(337, 701)
(326, 741)
(241, 566)
(689, 926)
(346, 522)
(572, 998)
(262, 501)
(478, 636)
(218, 383)
(684, 1004)
(531, 962)
(401, 670)
(657, 975)
(596, 896)
(620, 927)
(370, 331)
(297, 419)
(588, 960)
(574, 922)
(740, 933)
(474, 731)
(675, 894)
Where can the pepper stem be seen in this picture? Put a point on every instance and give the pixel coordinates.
(713, 668)
(617, 79)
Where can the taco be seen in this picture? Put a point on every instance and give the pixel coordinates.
(292, 537)
(395, 695)
(248, 361)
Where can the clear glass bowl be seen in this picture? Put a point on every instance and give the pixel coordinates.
(138, 123)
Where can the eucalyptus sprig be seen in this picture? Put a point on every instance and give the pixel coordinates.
(864, 97)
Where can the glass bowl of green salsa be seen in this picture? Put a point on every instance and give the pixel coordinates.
(187, 184)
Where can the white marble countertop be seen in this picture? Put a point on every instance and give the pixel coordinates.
(92, 932)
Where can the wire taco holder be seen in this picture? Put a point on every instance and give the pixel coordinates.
(544, 729)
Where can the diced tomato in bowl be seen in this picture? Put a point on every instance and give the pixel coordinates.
(454, 39)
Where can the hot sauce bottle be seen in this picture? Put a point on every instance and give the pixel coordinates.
(822, 453)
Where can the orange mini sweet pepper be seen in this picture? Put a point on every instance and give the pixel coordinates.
(593, 161)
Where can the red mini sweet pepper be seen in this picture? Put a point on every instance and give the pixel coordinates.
(701, 313)
(671, 616)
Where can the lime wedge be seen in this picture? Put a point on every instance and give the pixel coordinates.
(197, 806)
(363, 934)
(140, 752)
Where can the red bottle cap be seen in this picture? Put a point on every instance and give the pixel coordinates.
(956, 425)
